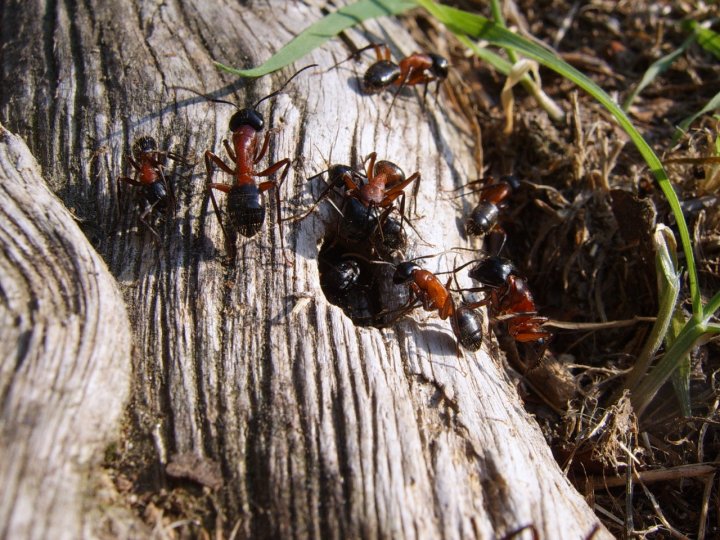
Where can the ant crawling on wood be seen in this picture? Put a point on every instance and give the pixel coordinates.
(510, 298)
(149, 165)
(365, 193)
(418, 68)
(427, 290)
(245, 206)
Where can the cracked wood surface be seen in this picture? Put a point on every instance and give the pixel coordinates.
(319, 428)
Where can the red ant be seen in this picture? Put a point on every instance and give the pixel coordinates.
(426, 288)
(245, 206)
(149, 165)
(379, 187)
(510, 296)
(418, 68)
(485, 216)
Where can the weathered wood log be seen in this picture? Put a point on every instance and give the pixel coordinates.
(317, 427)
(65, 348)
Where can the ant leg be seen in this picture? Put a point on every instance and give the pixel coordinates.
(370, 166)
(263, 149)
(131, 181)
(217, 160)
(264, 186)
(321, 197)
(395, 191)
(169, 189)
(411, 304)
(134, 163)
(229, 151)
(182, 160)
(147, 224)
(350, 185)
(211, 158)
(400, 86)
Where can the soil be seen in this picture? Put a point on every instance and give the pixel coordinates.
(579, 229)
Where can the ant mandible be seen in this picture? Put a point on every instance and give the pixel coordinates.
(149, 165)
(426, 288)
(245, 206)
(510, 296)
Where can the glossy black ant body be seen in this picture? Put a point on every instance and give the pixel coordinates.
(347, 282)
(245, 205)
(426, 288)
(493, 271)
(485, 216)
(510, 296)
(418, 68)
(467, 325)
(149, 165)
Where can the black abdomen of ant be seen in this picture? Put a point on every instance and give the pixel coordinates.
(468, 327)
(380, 76)
(156, 194)
(246, 209)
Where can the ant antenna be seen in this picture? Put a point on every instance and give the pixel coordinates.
(276, 92)
(359, 256)
(206, 96)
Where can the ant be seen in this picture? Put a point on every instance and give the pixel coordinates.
(347, 282)
(485, 216)
(510, 296)
(245, 206)
(426, 288)
(149, 165)
(382, 183)
(418, 68)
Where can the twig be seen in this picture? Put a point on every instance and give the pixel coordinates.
(673, 473)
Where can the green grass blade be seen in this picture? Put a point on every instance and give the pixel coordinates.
(478, 27)
(646, 390)
(711, 105)
(485, 54)
(708, 39)
(323, 30)
(668, 284)
(712, 306)
(681, 376)
(657, 67)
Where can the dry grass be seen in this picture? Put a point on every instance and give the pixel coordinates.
(580, 230)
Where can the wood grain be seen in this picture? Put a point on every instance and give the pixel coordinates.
(320, 428)
(65, 344)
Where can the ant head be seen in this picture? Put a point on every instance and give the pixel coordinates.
(392, 172)
(493, 271)
(143, 145)
(404, 272)
(379, 76)
(247, 117)
(440, 66)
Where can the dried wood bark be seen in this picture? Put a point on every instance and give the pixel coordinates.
(65, 348)
(317, 427)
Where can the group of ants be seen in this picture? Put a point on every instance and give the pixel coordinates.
(367, 224)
